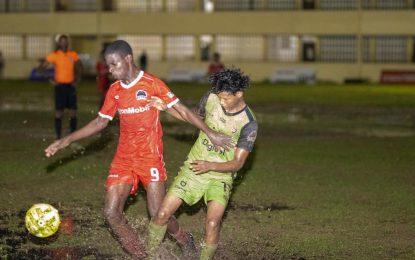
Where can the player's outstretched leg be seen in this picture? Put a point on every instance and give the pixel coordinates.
(162, 219)
(213, 220)
(115, 199)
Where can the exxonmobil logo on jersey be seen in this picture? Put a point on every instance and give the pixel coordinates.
(134, 110)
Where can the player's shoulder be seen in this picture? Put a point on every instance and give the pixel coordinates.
(250, 114)
(210, 96)
(72, 52)
(150, 78)
(53, 53)
(115, 86)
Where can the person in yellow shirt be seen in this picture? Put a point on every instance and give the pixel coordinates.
(67, 74)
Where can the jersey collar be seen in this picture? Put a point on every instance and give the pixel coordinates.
(235, 113)
(132, 83)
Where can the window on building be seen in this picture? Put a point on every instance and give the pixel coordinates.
(240, 47)
(11, 46)
(180, 47)
(180, 5)
(81, 5)
(139, 5)
(76, 5)
(385, 4)
(282, 4)
(391, 49)
(24, 5)
(152, 44)
(283, 48)
(339, 4)
(231, 5)
(38, 46)
(340, 48)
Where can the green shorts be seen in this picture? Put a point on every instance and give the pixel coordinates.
(191, 187)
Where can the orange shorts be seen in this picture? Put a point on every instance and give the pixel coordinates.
(134, 175)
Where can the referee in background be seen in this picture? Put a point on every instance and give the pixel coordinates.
(68, 69)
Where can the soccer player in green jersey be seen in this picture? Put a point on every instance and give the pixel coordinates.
(208, 171)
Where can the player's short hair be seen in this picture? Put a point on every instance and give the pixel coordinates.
(229, 80)
(119, 46)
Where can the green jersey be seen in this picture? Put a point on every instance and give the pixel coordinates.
(217, 186)
(241, 126)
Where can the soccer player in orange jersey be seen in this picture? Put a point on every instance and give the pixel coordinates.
(139, 156)
(67, 74)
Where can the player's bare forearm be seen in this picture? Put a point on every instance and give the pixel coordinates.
(91, 128)
(189, 116)
(217, 139)
(177, 115)
(200, 166)
(173, 112)
(160, 105)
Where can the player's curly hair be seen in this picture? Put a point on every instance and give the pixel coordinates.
(229, 80)
(119, 46)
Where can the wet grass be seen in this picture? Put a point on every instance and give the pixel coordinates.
(332, 175)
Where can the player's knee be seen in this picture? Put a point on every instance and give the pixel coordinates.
(212, 224)
(161, 216)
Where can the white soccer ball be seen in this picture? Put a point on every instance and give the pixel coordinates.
(42, 220)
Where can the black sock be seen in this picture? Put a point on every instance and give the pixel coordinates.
(72, 124)
(58, 127)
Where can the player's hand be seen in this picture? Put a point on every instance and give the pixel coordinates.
(56, 146)
(200, 167)
(157, 103)
(221, 140)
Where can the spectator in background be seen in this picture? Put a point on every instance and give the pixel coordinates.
(2, 62)
(103, 76)
(143, 61)
(67, 74)
(216, 65)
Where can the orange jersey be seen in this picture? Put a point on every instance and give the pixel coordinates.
(64, 63)
(140, 129)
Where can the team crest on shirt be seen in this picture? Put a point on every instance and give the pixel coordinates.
(234, 130)
(141, 95)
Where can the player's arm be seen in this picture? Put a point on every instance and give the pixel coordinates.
(91, 128)
(162, 106)
(182, 112)
(235, 165)
(191, 117)
(244, 147)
